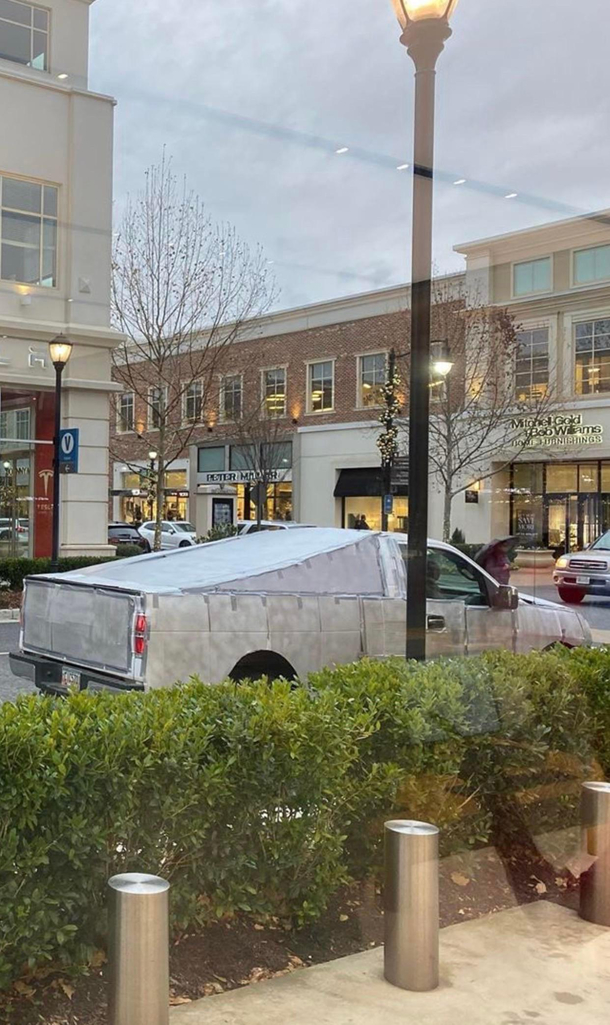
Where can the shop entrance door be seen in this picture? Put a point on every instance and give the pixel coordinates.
(571, 521)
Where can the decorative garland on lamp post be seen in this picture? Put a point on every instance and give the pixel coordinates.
(387, 443)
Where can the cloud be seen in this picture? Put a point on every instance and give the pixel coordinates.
(253, 99)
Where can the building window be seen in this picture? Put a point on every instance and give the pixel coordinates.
(15, 424)
(373, 375)
(591, 265)
(24, 34)
(592, 357)
(321, 396)
(231, 397)
(274, 391)
(532, 276)
(532, 369)
(157, 405)
(28, 232)
(193, 403)
(125, 412)
(211, 460)
(277, 455)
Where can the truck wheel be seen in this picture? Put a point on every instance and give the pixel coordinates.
(571, 595)
(262, 663)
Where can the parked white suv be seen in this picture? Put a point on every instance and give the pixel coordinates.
(174, 534)
(582, 573)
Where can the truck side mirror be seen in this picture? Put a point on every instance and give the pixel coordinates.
(506, 597)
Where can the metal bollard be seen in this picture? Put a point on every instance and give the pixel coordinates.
(411, 905)
(139, 950)
(595, 880)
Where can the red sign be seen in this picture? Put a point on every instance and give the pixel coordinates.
(43, 476)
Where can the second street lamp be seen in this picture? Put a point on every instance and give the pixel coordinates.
(425, 25)
(60, 350)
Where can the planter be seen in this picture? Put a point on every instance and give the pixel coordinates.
(534, 558)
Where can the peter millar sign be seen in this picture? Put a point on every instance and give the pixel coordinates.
(560, 429)
(243, 477)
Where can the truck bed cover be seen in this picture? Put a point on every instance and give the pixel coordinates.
(297, 561)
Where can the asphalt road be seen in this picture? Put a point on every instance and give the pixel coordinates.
(595, 610)
(10, 686)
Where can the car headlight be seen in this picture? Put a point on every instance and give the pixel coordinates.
(562, 563)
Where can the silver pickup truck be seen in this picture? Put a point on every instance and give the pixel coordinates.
(277, 603)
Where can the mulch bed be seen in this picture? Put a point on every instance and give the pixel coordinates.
(11, 599)
(240, 952)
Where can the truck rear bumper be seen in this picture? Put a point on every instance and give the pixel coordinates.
(47, 675)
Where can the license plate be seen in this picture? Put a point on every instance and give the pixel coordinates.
(70, 679)
(582, 580)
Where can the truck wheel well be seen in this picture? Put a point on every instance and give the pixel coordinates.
(262, 663)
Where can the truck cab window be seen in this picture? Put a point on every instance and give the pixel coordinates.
(451, 578)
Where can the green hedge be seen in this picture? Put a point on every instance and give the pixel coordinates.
(14, 571)
(264, 799)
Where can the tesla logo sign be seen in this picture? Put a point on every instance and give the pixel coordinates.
(46, 477)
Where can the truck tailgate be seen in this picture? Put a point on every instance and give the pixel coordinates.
(90, 626)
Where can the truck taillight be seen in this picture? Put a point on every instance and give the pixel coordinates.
(139, 641)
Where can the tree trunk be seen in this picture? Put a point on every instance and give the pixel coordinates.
(160, 490)
(447, 514)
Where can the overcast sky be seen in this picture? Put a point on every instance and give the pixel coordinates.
(253, 97)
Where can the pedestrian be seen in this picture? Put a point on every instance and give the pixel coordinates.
(363, 524)
(495, 559)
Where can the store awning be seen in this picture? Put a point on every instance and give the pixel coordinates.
(367, 482)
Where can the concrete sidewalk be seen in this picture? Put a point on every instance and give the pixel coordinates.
(539, 964)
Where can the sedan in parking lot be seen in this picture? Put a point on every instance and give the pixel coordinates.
(174, 534)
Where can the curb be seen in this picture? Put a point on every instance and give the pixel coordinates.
(9, 615)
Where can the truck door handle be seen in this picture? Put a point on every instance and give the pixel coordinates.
(436, 623)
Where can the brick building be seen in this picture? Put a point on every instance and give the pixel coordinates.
(319, 371)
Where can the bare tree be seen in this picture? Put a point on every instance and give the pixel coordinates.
(480, 419)
(183, 290)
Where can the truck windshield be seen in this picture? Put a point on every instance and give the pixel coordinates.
(603, 542)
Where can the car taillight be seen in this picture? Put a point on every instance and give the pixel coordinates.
(139, 640)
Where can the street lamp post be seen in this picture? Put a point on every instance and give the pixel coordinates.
(425, 25)
(60, 350)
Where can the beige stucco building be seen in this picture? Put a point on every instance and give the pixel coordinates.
(555, 281)
(55, 260)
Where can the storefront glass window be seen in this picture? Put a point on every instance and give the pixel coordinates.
(561, 477)
(370, 508)
(606, 478)
(528, 518)
(277, 455)
(588, 477)
(211, 460)
(529, 477)
(243, 457)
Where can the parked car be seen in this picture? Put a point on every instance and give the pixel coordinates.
(252, 527)
(586, 572)
(174, 534)
(286, 603)
(122, 534)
